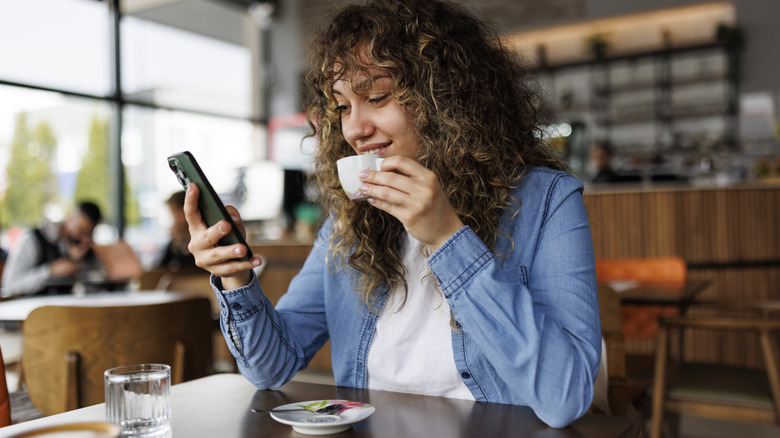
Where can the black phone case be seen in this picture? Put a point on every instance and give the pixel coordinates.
(187, 170)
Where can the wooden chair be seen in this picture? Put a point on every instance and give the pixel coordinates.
(715, 390)
(67, 348)
(150, 279)
(670, 269)
(614, 396)
(198, 283)
(640, 323)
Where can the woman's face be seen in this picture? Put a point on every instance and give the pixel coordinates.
(373, 122)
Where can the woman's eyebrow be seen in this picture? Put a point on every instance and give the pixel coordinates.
(363, 82)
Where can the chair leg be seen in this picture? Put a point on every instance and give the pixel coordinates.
(773, 372)
(20, 373)
(72, 381)
(671, 427)
(659, 387)
(177, 370)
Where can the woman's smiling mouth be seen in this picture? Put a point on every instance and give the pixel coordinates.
(373, 151)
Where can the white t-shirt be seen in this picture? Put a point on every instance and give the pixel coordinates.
(411, 350)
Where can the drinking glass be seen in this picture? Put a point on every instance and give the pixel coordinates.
(138, 399)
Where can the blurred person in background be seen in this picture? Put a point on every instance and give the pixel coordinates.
(49, 259)
(176, 256)
(601, 165)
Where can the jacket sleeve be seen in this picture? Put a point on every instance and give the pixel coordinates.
(270, 345)
(537, 325)
(21, 276)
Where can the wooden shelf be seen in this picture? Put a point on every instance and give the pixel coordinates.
(664, 85)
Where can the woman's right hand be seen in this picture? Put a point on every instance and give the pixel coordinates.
(218, 260)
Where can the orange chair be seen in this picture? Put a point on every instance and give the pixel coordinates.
(670, 270)
(5, 402)
(642, 322)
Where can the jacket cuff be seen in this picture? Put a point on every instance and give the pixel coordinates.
(458, 259)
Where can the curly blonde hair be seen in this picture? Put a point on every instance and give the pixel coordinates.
(470, 100)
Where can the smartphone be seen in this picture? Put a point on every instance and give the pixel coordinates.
(212, 209)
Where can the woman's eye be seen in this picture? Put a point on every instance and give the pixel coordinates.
(341, 109)
(379, 99)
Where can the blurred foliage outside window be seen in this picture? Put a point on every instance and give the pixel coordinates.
(33, 182)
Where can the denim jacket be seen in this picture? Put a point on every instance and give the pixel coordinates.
(527, 314)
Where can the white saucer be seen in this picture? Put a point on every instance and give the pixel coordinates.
(309, 423)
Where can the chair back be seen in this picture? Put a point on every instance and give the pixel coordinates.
(640, 323)
(197, 283)
(613, 368)
(612, 332)
(717, 390)
(67, 348)
(653, 270)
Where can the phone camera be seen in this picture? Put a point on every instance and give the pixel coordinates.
(179, 174)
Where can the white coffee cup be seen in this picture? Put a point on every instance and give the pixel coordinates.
(349, 167)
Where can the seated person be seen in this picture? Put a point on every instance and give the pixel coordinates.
(48, 259)
(176, 256)
(601, 165)
(469, 271)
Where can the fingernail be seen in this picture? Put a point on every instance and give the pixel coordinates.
(255, 262)
(363, 188)
(237, 251)
(363, 174)
(234, 218)
(371, 201)
(222, 228)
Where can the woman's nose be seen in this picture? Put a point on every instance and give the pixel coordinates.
(358, 125)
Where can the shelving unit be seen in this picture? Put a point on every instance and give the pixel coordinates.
(659, 109)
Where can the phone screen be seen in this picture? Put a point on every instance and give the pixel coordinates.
(212, 210)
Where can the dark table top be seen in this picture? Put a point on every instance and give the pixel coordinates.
(660, 293)
(218, 405)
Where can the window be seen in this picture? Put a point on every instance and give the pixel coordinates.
(59, 118)
(53, 149)
(61, 44)
(222, 147)
(171, 67)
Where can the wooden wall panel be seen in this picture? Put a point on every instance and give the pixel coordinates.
(709, 226)
(730, 236)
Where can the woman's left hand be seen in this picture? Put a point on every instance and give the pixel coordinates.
(412, 194)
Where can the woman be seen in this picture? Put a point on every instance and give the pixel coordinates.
(469, 273)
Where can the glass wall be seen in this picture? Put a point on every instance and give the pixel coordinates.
(165, 66)
(53, 149)
(222, 147)
(61, 44)
(60, 117)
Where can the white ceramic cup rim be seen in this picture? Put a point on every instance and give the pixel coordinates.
(348, 169)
